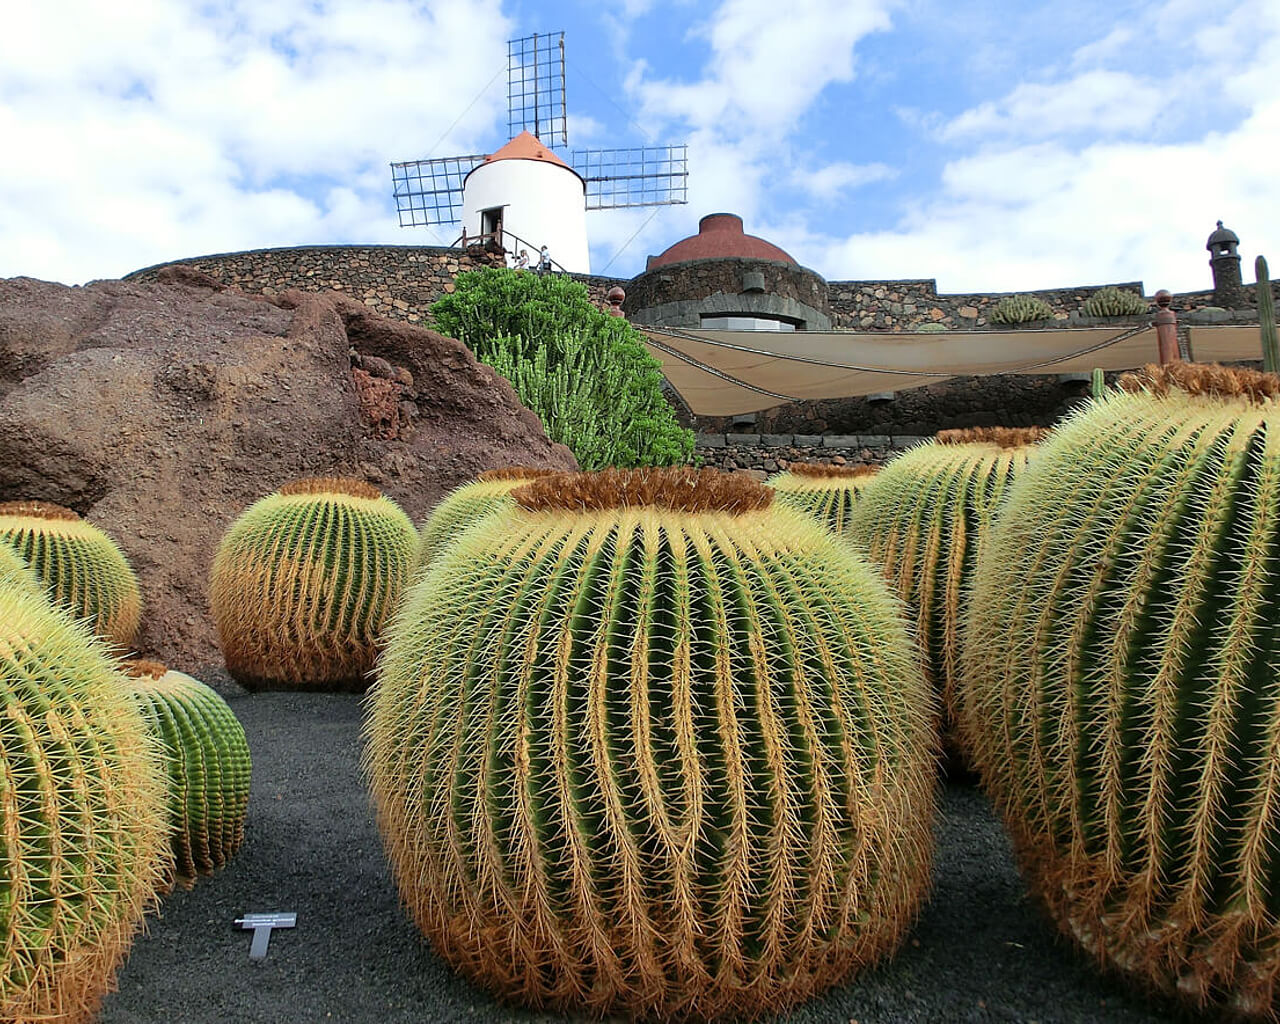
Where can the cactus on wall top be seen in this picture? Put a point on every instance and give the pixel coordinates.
(647, 743)
(303, 581)
(464, 505)
(1113, 301)
(82, 833)
(827, 493)
(923, 519)
(82, 568)
(1020, 309)
(207, 757)
(1119, 681)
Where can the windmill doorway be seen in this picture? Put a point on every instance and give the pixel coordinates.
(491, 228)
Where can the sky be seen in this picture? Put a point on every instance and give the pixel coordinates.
(993, 145)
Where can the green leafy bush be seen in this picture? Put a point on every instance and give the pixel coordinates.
(585, 373)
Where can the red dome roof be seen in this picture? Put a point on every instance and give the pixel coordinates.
(719, 236)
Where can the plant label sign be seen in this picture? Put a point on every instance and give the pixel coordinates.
(261, 924)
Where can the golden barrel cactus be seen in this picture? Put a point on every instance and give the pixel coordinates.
(464, 505)
(922, 521)
(303, 581)
(1122, 681)
(828, 493)
(647, 744)
(207, 759)
(82, 834)
(83, 569)
(14, 569)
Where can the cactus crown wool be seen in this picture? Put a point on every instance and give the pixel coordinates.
(633, 758)
(822, 471)
(82, 837)
(302, 583)
(1120, 690)
(82, 569)
(1001, 437)
(515, 473)
(465, 505)
(207, 757)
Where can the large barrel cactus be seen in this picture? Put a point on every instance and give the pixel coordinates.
(646, 744)
(1122, 681)
(304, 580)
(207, 758)
(14, 569)
(82, 837)
(923, 519)
(828, 493)
(82, 568)
(464, 505)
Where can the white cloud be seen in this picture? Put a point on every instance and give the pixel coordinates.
(829, 181)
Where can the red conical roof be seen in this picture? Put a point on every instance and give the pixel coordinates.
(719, 236)
(526, 147)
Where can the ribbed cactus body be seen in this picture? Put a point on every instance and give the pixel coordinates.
(207, 758)
(82, 568)
(652, 760)
(1121, 683)
(922, 520)
(827, 493)
(81, 814)
(14, 570)
(1113, 301)
(304, 580)
(1020, 309)
(465, 505)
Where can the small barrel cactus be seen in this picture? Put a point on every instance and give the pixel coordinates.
(922, 520)
(827, 493)
(1113, 301)
(1120, 690)
(82, 836)
(82, 568)
(647, 744)
(464, 505)
(1020, 309)
(207, 757)
(303, 581)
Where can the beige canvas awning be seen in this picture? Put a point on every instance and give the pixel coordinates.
(726, 373)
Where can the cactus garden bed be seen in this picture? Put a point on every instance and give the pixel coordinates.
(980, 951)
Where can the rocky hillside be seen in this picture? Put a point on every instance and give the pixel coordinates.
(159, 411)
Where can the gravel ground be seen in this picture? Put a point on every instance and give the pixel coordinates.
(980, 951)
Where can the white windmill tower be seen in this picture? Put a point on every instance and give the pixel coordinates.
(525, 196)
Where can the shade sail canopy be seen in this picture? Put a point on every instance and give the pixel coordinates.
(726, 373)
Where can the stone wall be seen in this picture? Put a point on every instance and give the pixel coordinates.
(694, 281)
(763, 454)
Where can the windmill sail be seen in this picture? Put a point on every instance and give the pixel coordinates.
(535, 88)
(641, 176)
(429, 192)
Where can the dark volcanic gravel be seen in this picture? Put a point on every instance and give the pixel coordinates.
(980, 952)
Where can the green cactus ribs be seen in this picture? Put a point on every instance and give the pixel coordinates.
(464, 506)
(648, 743)
(81, 568)
(1113, 301)
(207, 756)
(303, 581)
(827, 493)
(1120, 693)
(82, 833)
(1020, 309)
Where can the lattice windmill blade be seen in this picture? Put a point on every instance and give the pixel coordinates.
(641, 176)
(535, 88)
(429, 192)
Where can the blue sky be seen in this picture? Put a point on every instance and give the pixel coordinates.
(994, 145)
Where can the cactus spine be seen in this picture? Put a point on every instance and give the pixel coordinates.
(82, 568)
(1120, 686)
(464, 506)
(13, 570)
(1113, 301)
(1020, 309)
(648, 745)
(82, 845)
(827, 493)
(207, 757)
(923, 520)
(303, 581)
(1267, 317)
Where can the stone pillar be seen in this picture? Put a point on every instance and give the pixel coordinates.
(1224, 260)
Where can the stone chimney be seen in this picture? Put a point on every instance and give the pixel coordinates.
(1228, 292)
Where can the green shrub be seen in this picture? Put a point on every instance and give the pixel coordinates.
(1020, 309)
(585, 373)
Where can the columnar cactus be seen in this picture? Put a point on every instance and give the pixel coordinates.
(1113, 301)
(1020, 309)
(303, 581)
(1120, 687)
(922, 520)
(466, 504)
(827, 493)
(207, 757)
(645, 744)
(82, 568)
(82, 839)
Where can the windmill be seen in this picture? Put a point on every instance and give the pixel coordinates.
(525, 195)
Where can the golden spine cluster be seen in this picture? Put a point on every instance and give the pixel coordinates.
(465, 505)
(827, 493)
